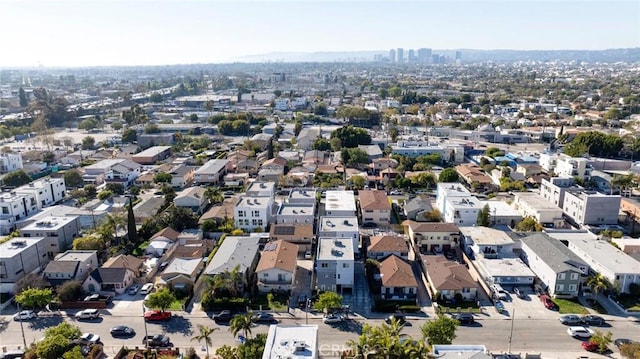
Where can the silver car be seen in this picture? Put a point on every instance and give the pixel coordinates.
(570, 319)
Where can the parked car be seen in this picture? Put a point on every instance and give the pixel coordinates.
(499, 306)
(520, 293)
(12, 354)
(332, 318)
(622, 341)
(156, 315)
(24, 315)
(398, 317)
(88, 338)
(133, 289)
(88, 314)
(157, 341)
(594, 320)
(369, 225)
(97, 298)
(224, 316)
(499, 292)
(463, 318)
(146, 289)
(591, 346)
(122, 331)
(580, 332)
(570, 319)
(548, 303)
(264, 318)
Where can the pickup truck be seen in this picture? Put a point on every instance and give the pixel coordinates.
(97, 298)
(157, 340)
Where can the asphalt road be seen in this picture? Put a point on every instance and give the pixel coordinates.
(532, 335)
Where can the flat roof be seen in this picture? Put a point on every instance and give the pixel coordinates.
(500, 208)
(537, 201)
(340, 201)
(105, 164)
(298, 194)
(291, 341)
(79, 256)
(506, 267)
(16, 245)
(261, 188)
(464, 202)
(335, 249)
(607, 255)
(152, 151)
(255, 202)
(452, 189)
(486, 236)
(212, 166)
(299, 209)
(339, 224)
(49, 223)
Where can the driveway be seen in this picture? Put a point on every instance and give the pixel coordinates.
(302, 282)
(360, 300)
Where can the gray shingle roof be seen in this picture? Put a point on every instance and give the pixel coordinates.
(555, 254)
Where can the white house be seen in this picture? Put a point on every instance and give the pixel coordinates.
(192, 198)
(463, 211)
(341, 227)
(334, 264)
(449, 190)
(15, 207)
(340, 203)
(296, 213)
(534, 205)
(10, 162)
(211, 172)
(253, 212)
(276, 269)
(572, 167)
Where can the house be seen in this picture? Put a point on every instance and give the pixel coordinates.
(162, 242)
(433, 237)
(487, 242)
(134, 264)
(397, 279)
(15, 207)
(340, 203)
(110, 281)
(535, 206)
(340, 227)
(10, 162)
(617, 267)
(272, 169)
(153, 139)
(212, 172)
(449, 190)
(335, 264)
(181, 175)
(181, 273)
(591, 207)
(261, 140)
(152, 155)
(449, 279)
(416, 209)
(236, 252)
(147, 208)
(192, 198)
(299, 234)
(383, 246)
(276, 269)
(529, 170)
(116, 170)
(381, 164)
(555, 264)
(474, 177)
(21, 256)
(70, 265)
(220, 212)
(316, 157)
(296, 213)
(462, 211)
(501, 213)
(58, 232)
(253, 212)
(373, 151)
(291, 341)
(48, 191)
(374, 207)
(236, 179)
(302, 195)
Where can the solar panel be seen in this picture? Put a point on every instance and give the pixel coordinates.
(284, 230)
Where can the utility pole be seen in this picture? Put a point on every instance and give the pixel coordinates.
(24, 340)
(146, 334)
(513, 319)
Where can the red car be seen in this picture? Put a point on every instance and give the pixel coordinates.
(156, 315)
(590, 346)
(548, 303)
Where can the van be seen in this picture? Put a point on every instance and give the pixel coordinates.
(499, 292)
(146, 289)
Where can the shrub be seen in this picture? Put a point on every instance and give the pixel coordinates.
(409, 308)
(209, 303)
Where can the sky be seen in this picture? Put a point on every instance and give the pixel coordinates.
(143, 32)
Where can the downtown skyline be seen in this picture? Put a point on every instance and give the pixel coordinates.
(118, 33)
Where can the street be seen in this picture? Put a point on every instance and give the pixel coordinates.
(532, 335)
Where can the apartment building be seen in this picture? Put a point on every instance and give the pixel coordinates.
(212, 172)
(544, 212)
(449, 190)
(591, 208)
(18, 257)
(463, 211)
(335, 264)
(10, 162)
(48, 191)
(554, 189)
(14, 207)
(340, 203)
(340, 227)
(572, 167)
(374, 207)
(296, 213)
(58, 232)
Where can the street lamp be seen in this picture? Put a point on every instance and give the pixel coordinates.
(24, 340)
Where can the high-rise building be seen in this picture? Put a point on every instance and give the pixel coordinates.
(458, 56)
(424, 55)
(400, 55)
(412, 56)
(392, 55)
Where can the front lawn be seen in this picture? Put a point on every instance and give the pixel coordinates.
(465, 306)
(566, 306)
(279, 302)
(177, 304)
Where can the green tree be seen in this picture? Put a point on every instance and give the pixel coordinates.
(242, 323)
(596, 144)
(152, 128)
(424, 180)
(75, 353)
(321, 144)
(73, 179)
(129, 135)
(89, 242)
(493, 152)
(214, 195)
(352, 136)
(602, 340)
(105, 194)
(88, 143)
(117, 126)
(484, 216)
(22, 97)
(35, 297)
(204, 334)
(52, 347)
(449, 175)
(69, 290)
(179, 218)
(132, 231)
(354, 156)
(116, 188)
(64, 329)
(90, 191)
(358, 182)
(16, 179)
(320, 109)
(88, 124)
(162, 299)
(162, 177)
(440, 331)
(328, 300)
(528, 224)
(598, 283)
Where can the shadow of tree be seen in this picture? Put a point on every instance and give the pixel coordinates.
(42, 323)
(177, 325)
(350, 326)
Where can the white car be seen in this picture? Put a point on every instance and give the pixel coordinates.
(88, 314)
(332, 318)
(89, 338)
(24, 315)
(580, 332)
(146, 289)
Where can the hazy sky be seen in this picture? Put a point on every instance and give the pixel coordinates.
(137, 32)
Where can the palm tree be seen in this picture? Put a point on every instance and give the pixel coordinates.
(205, 335)
(598, 283)
(235, 277)
(241, 323)
(115, 221)
(213, 195)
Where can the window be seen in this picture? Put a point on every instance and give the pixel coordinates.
(561, 276)
(265, 275)
(256, 214)
(241, 213)
(559, 287)
(574, 276)
(345, 265)
(324, 265)
(573, 287)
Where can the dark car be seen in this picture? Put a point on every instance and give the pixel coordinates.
(465, 318)
(622, 341)
(369, 225)
(122, 331)
(398, 317)
(264, 318)
(224, 316)
(594, 320)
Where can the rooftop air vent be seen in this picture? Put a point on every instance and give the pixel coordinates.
(346, 222)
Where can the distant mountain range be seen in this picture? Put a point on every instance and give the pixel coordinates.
(468, 56)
